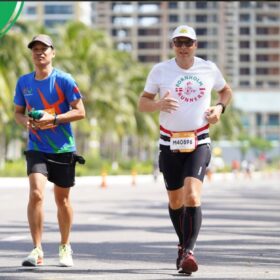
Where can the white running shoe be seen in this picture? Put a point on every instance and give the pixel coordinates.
(65, 255)
(34, 258)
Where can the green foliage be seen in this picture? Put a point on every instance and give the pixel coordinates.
(14, 169)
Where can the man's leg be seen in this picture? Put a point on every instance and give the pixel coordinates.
(193, 215)
(192, 221)
(64, 212)
(65, 218)
(35, 216)
(35, 213)
(176, 213)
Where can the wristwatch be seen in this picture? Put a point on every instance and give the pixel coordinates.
(223, 106)
(55, 119)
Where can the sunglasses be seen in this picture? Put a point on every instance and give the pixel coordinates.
(180, 43)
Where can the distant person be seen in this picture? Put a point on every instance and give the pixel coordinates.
(235, 168)
(53, 100)
(184, 85)
(247, 168)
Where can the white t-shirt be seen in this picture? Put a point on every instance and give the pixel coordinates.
(192, 88)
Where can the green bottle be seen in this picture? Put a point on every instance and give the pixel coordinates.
(36, 114)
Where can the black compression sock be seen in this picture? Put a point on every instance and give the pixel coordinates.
(192, 224)
(176, 216)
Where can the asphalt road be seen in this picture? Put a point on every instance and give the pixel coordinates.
(122, 231)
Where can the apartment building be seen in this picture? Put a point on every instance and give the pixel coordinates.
(50, 14)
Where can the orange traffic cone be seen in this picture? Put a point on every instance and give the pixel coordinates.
(133, 174)
(103, 179)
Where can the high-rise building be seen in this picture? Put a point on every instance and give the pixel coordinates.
(50, 14)
(243, 37)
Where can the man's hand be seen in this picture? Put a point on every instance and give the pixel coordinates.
(168, 104)
(44, 122)
(213, 114)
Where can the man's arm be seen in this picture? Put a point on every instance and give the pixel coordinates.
(77, 113)
(213, 114)
(147, 103)
(225, 96)
(20, 116)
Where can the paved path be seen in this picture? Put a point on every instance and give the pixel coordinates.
(123, 232)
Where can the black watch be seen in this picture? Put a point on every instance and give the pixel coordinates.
(55, 119)
(223, 106)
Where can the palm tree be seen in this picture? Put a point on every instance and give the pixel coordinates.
(13, 63)
(109, 80)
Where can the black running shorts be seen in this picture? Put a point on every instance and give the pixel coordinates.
(58, 168)
(177, 166)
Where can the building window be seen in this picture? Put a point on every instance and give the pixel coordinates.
(244, 57)
(244, 17)
(244, 44)
(261, 57)
(244, 71)
(273, 84)
(59, 9)
(172, 5)
(244, 31)
(122, 8)
(202, 44)
(259, 119)
(201, 18)
(149, 8)
(149, 58)
(201, 31)
(148, 45)
(125, 21)
(244, 4)
(148, 21)
(273, 119)
(261, 30)
(148, 32)
(261, 44)
(54, 22)
(201, 4)
(127, 47)
(31, 10)
(244, 83)
(261, 71)
(173, 18)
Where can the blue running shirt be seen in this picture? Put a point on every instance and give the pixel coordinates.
(55, 93)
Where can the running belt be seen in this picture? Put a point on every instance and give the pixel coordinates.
(202, 135)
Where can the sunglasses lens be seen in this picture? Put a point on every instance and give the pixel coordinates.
(180, 43)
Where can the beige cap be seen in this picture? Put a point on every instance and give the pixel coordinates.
(43, 38)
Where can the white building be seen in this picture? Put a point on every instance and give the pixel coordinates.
(50, 14)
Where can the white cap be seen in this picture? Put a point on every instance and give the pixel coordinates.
(184, 31)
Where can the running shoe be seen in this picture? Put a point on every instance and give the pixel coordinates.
(34, 258)
(180, 255)
(188, 263)
(65, 255)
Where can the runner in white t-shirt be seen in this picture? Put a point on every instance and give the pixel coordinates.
(184, 86)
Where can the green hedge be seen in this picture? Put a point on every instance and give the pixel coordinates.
(92, 167)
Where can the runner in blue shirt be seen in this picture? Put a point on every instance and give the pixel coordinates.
(50, 154)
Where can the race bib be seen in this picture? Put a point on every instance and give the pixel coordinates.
(184, 142)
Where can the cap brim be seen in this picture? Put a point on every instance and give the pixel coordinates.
(180, 35)
(30, 45)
